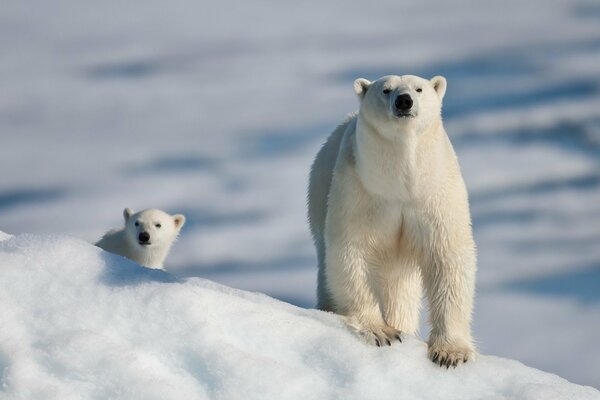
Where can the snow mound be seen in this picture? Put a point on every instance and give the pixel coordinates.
(77, 322)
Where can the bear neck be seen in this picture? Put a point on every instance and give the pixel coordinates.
(151, 257)
(393, 168)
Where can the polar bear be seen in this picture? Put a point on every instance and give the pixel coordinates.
(146, 237)
(389, 212)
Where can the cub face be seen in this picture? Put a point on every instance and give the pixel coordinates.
(151, 228)
(393, 104)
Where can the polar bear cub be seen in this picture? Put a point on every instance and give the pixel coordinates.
(146, 237)
(389, 213)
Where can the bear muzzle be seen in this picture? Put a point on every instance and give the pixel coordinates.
(403, 105)
(144, 238)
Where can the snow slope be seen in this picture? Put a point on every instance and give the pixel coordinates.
(80, 323)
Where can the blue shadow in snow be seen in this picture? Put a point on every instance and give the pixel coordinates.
(168, 62)
(575, 136)
(473, 82)
(456, 106)
(227, 270)
(297, 301)
(484, 219)
(572, 245)
(281, 143)
(120, 271)
(215, 270)
(494, 65)
(201, 218)
(583, 182)
(181, 163)
(512, 63)
(582, 285)
(522, 217)
(587, 10)
(20, 197)
(134, 69)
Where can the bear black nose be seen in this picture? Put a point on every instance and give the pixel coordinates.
(144, 237)
(404, 102)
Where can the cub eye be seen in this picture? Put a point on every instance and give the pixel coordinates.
(157, 225)
(137, 223)
(387, 91)
(419, 90)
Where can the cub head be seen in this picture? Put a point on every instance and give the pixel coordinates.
(394, 103)
(151, 227)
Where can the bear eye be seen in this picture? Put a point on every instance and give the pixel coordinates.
(157, 225)
(387, 91)
(137, 223)
(419, 90)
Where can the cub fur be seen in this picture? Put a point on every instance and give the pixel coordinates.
(146, 237)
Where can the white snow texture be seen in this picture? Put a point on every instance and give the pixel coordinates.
(79, 323)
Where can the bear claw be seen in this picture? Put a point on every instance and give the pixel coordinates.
(380, 337)
(448, 355)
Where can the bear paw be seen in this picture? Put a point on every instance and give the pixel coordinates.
(447, 354)
(376, 334)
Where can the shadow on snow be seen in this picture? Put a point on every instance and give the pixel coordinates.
(582, 285)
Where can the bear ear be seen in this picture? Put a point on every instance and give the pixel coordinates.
(361, 85)
(128, 212)
(179, 220)
(439, 85)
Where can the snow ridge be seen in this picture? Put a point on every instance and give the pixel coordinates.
(77, 322)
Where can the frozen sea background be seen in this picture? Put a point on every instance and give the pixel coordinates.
(216, 110)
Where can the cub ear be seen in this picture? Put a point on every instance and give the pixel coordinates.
(439, 85)
(361, 85)
(179, 220)
(128, 212)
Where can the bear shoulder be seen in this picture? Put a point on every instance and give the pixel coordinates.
(113, 241)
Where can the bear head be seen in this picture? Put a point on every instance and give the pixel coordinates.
(151, 227)
(393, 104)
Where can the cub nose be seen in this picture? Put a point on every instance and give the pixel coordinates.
(144, 237)
(404, 102)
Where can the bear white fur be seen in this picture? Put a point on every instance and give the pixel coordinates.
(389, 212)
(158, 229)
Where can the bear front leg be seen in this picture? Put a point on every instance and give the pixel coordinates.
(449, 280)
(351, 282)
(401, 295)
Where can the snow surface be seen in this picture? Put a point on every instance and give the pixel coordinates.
(216, 109)
(79, 323)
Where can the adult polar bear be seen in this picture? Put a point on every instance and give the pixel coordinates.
(388, 212)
